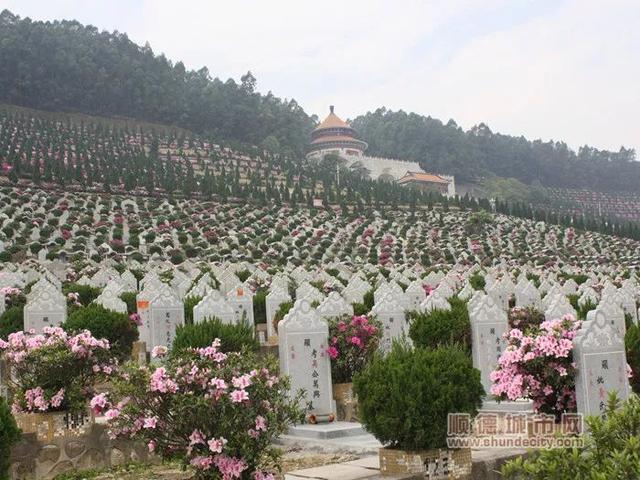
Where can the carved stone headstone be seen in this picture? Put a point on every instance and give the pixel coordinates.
(166, 312)
(273, 300)
(45, 307)
(394, 324)
(599, 353)
(214, 305)
(488, 325)
(334, 306)
(241, 300)
(303, 341)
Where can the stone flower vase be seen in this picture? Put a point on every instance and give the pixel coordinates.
(436, 464)
(346, 402)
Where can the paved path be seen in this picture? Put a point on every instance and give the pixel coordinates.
(366, 467)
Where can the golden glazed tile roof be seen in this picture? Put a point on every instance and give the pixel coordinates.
(332, 121)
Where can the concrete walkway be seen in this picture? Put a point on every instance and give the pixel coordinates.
(366, 467)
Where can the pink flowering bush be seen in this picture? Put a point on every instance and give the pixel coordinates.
(538, 365)
(13, 296)
(55, 371)
(353, 342)
(217, 412)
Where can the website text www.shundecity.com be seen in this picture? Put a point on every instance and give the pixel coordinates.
(514, 430)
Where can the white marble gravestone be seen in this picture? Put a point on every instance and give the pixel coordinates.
(214, 305)
(599, 353)
(110, 300)
(488, 325)
(166, 312)
(240, 299)
(334, 306)
(273, 300)
(45, 307)
(143, 308)
(559, 308)
(528, 296)
(303, 341)
(394, 325)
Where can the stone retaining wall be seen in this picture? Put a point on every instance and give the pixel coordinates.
(35, 457)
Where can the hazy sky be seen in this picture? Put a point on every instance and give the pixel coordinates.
(558, 69)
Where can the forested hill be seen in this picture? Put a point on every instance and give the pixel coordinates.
(66, 66)
(478, 152)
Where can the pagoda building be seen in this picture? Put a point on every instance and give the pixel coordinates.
(334, 135)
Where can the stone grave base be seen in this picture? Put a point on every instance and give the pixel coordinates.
(517, 406)
(327, 430)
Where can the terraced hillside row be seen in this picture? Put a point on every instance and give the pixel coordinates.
(39, 224)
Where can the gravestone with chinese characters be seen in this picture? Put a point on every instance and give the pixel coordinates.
(599, 353)
(166, 313)
(488, 325)
(143, 308)
(303, 341)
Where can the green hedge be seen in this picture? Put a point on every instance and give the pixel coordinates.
(440, 328)
(199, 335)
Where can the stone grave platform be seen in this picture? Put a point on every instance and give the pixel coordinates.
(327, 430)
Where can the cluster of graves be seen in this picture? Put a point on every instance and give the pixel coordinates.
(319, 293)
(40, 225)
(622, 205)
(79, 154)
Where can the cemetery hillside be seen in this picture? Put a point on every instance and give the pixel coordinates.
(199, 281)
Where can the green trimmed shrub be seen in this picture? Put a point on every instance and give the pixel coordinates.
(189, 303)
(260, 307)
(9, 435)
(440, 328)
(404, 398)
(130, 299)
(283, 309)
(199, 335)
(477, 281)
(12, 320)
(102, 323)
(87, 293)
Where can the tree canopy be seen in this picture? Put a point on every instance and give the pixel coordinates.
(479, 152)
(66, 66)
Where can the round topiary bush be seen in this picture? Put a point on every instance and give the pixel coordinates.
(439, 328)
(234, 337)
(404, 398)
(9, 434)
(102, 323)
